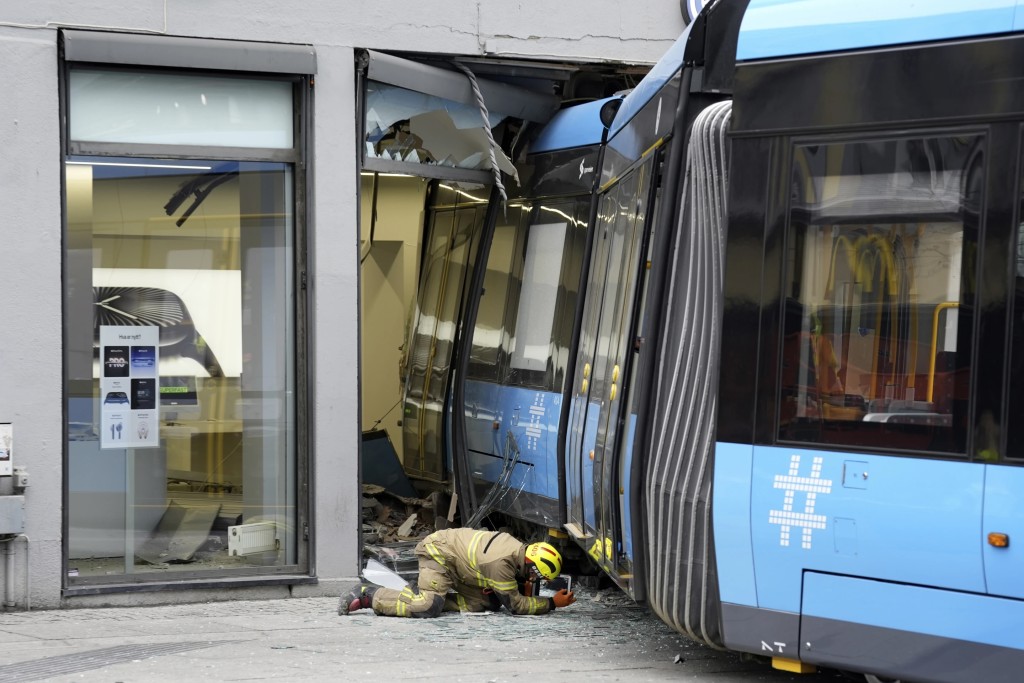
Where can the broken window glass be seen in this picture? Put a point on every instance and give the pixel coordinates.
(407, 126)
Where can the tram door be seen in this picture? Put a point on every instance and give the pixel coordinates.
(600, 424)
(454, 221)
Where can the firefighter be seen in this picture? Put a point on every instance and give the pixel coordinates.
(468, 570)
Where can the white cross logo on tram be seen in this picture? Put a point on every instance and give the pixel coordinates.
(811, 486)
(536, 426)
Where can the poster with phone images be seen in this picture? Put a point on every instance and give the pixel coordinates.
(129, 398)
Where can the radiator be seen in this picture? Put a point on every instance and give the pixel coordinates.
(247, 539)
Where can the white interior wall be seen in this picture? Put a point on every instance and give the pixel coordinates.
(389, 275)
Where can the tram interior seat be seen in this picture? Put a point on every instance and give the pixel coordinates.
(845, 393)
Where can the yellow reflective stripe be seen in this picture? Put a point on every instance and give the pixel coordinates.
(503, 586)
(473, 545)
(534, 604)
(413, 597)
(434, 553)
(461, 602)
(471, 558)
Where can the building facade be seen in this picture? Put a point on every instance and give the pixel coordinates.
(181, 259)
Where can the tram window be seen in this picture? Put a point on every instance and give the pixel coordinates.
(880, 277)
(1014, 426)
(489, 333)
(535, 322)
(543, 293)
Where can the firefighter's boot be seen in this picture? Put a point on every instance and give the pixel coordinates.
(360, 597)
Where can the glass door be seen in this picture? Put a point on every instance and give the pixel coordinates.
(454, 224)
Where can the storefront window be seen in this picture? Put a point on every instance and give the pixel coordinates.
(178, 109)
(180, 328)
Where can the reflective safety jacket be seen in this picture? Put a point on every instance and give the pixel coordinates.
(488, 559)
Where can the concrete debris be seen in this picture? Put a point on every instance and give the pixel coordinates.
(390, 518)
(406, 528)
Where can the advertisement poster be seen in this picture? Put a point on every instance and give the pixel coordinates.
(129, 402)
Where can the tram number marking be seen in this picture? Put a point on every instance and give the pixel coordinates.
(792, 483)
(779, 648)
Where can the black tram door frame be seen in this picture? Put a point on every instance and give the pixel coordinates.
(581, 514)
(605, 370)
(452, 234)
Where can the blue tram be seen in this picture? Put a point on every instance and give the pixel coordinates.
(867, 442)
(751, 337)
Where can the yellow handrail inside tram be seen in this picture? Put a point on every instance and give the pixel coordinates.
(935, 342)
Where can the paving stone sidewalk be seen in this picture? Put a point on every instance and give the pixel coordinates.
(603, 637)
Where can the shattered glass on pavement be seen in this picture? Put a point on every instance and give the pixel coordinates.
(604, 636)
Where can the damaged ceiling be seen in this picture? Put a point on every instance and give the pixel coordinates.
(423, 114)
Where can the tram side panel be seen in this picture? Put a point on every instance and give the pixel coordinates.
(847, 518)
(513, 392)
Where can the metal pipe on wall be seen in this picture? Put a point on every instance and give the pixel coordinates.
(9, 601)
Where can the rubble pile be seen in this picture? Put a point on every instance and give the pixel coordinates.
(389, 518)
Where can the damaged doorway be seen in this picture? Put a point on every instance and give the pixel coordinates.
(433, 178)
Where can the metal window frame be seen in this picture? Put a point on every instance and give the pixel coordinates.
(128, 149)
(237, 59)
(187, 53)
(428, 171)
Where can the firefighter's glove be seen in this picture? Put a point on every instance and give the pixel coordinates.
(563, 598)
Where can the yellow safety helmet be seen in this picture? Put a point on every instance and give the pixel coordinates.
(547, 560)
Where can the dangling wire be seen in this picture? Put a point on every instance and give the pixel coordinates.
(499, 487)
(495, 171)
(381, 418)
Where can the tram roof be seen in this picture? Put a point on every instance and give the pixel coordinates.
(784, 28)
(660, 74)
(576, 126)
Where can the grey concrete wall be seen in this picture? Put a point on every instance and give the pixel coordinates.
(592, 29)
(30, 304)
(30, 191)
(335, 295)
